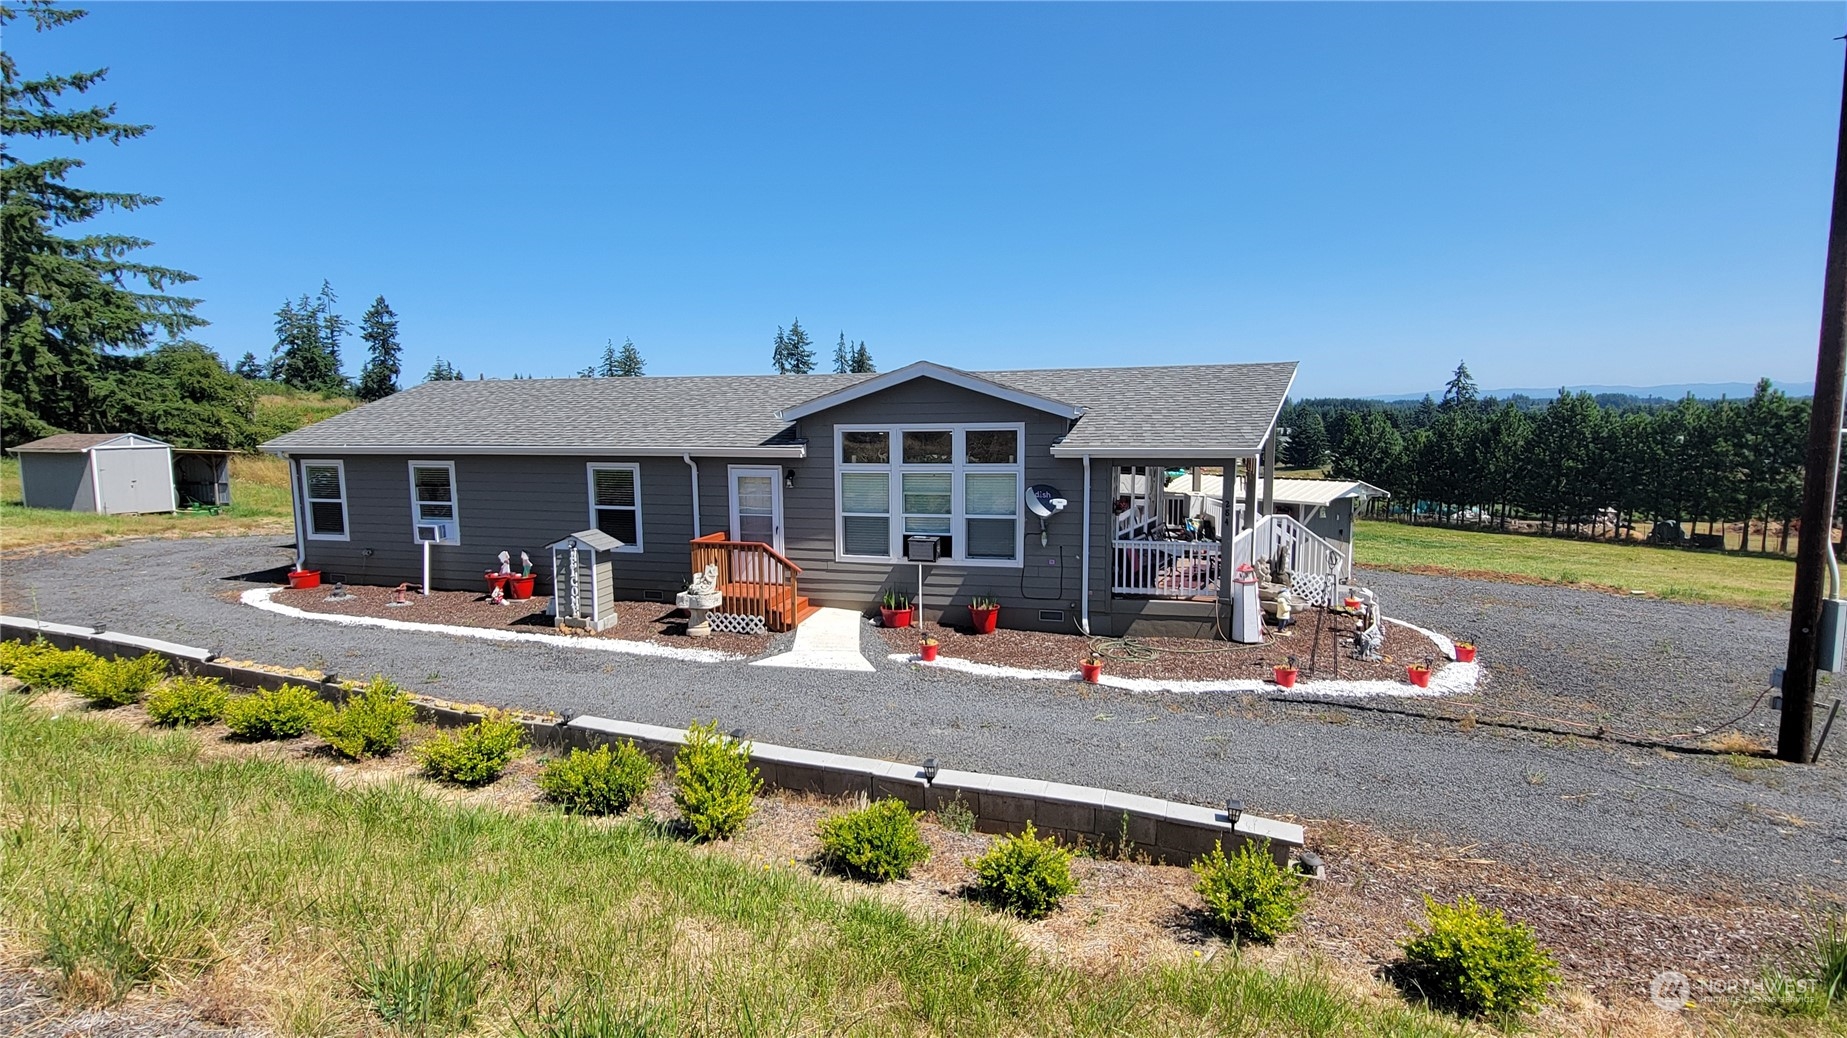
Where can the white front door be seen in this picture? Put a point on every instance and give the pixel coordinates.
(756, 504)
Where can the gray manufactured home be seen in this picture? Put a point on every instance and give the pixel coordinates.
(814, 486)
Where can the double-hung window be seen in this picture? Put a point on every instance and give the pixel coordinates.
(324, 499)
(960, 484)
(432, 499)
(615, 502)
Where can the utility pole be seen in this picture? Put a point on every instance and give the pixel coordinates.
(1824, 450)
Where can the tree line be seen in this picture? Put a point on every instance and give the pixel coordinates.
(1572, 465)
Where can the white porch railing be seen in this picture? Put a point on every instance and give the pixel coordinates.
(1166, 569)
(1192, 569)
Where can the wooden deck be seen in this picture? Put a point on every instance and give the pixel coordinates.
(756, 580)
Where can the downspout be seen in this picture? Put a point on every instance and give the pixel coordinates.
(301, 556)
(691, 464)
(1083, 605)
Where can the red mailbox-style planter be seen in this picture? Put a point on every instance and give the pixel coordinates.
(519, 587)
(985, 620)
(303, 579)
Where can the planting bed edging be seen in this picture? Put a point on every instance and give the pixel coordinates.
(1166, 830)
(260, 598)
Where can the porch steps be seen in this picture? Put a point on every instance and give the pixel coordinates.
(771, 601)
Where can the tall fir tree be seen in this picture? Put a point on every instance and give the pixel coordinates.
(66, 302)
(628, 360)
(443, 371)
(610, 366)
(793, 354)
(307, 351)
(1308, 442)
(1460, 391)
(250, 367)
(843, 355)
(379, 329)
(862, 361)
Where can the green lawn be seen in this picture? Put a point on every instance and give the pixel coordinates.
(259, 490)
(134, 860)
(1756, 581)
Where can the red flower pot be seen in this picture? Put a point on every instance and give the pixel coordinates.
(302, 579)
(1465, 654)
(1419, 676)
(1285, 676)
(1352, 604)
(496, 580)
(984, 619)
(1093, 672)
(519, 587)
(928, 651)
(895, 617)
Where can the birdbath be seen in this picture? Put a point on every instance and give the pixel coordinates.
(699, 599)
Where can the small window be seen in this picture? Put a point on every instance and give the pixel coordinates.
(865, 514)
(432, 497)
(993, 447)
(615, 503)
(929, 448)
(991, 503)
(865, 448)
(324, 496)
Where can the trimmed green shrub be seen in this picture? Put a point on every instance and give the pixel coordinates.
(602, 781)
(1472, 960)
(477, 754)
(715, 787)
(278, 713)
(46, 667)
(1248, 894)
(1025, 874)
(371, 723)
(879, 842)
(120, 681)
(186, 702)
(14, 653)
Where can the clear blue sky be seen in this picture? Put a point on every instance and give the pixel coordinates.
(1558, 193)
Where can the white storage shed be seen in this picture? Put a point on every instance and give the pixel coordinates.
(110, 473)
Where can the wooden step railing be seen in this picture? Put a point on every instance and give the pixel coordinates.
(757, 580)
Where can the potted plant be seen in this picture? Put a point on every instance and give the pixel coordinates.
(895, 609)
(928, 650)
(1092, 668)
(302, 579)
(1419, 673)
(1465, 652)
(984, 612)
(1285, 673)
(1352, 604)
(519, 585)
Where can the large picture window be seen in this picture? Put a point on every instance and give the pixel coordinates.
(324, 499)
(615, 503)
(961, 484)
(432, 497)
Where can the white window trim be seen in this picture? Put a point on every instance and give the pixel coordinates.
(590, 471)
(455, 502)
(307, 503)
(958, 468)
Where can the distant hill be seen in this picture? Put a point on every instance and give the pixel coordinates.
(1700, 390)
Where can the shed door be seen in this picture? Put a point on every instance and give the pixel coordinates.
(134, 480)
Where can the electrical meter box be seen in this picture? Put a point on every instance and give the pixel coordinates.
(1831, 636)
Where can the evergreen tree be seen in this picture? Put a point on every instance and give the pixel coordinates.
(589, 372)
(628, 360)
(250, 367)
(843, 356)
(443, 371)
(610, 366)
(179, 392)
(1461, 391)
(307, 350)
(65, 302)
(1308, 443)
(862, 361)
(379, 328)
(792, 354)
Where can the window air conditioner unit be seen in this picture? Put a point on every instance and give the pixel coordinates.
(433, 533)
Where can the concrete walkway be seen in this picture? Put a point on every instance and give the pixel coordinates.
(828, 640)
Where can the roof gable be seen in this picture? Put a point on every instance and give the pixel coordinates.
(72, 443)
(925, 369)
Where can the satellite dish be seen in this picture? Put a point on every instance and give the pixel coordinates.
(1044, 500)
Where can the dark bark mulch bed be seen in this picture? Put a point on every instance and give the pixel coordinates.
(635, 621)
(1188, 659)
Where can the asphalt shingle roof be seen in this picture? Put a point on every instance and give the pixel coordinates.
(70, 443)
(1215, 408)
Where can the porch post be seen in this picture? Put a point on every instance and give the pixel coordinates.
(1250, 498)
(1269, 475)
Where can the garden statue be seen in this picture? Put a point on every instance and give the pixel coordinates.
(1369, 639)
(499, 595)
(506, 569)
(699, 599)
(525, 564)
(400, 596)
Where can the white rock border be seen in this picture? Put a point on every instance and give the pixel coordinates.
(1453, 680)
(260, 598)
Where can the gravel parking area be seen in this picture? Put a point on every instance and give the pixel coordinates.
(1672, 818)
